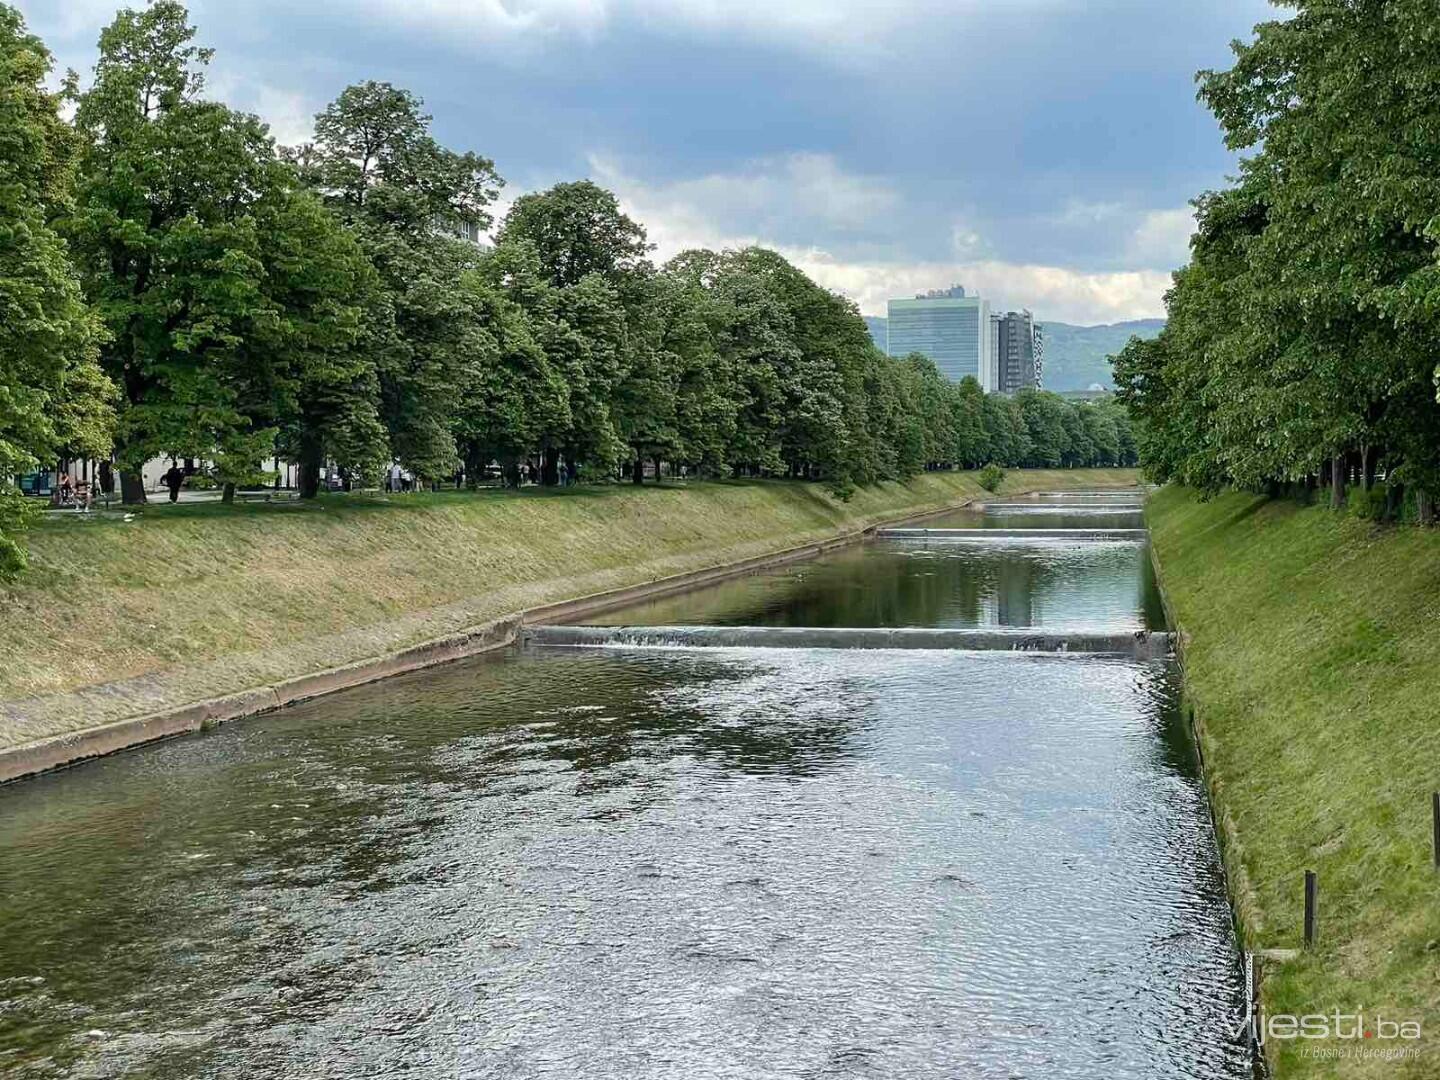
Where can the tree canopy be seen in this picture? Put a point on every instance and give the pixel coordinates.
(176, 285)
(1299, 345)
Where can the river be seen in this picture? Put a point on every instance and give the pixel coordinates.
(663, 862)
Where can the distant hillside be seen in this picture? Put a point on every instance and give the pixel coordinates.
(1076, 357)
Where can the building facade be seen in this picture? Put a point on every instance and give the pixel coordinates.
(1018, 349)
(950, 327)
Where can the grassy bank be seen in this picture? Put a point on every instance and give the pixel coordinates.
(193, 601)
(1312, 658)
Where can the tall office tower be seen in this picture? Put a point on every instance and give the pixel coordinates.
(948, 326)
(1019, 346)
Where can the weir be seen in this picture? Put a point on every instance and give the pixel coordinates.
(1134, 496)
(1100, 508)
(1142, 645)
(985, 535)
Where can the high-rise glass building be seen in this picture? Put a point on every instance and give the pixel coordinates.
(949, 327)
(1018, 348)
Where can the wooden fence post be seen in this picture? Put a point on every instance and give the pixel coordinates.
(1309, 908)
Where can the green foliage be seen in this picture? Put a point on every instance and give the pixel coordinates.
(53, 397)
(233, 300)
(991, 477)
(1302, 330)
(167, 237)
(1367, 505)
(576, 229)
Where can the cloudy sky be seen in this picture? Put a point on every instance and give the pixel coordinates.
(1040, 151)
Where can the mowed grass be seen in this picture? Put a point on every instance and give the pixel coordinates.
(1313, 661)
(198, 600)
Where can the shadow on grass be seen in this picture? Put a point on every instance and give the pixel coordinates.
(349, 504)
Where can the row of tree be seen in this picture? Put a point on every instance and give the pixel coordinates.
(174, 283)
(1302, 338)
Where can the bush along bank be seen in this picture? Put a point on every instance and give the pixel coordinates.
(1310, 659)
(125, 618)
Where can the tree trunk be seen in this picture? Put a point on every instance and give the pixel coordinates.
(132, 487)
(637, 470)
(1424, 507)
(228, 495)
(107, 478)
(1337, 482)
(311, 453)
(1394, 500)
(657, 468)
(1367, 467)
(550, 467)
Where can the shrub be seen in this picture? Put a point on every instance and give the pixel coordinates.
(1367, 505)
(991, 477)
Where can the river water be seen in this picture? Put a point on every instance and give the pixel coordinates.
(657, 863)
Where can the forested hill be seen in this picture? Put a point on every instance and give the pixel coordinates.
(1075, 356)
(1078, 356)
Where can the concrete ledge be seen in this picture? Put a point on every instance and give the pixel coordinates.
(65, 749)
(981, 536)
(73, 747)
(1144, 645)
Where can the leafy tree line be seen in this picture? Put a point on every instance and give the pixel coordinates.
(175, 284)
(1301, 344)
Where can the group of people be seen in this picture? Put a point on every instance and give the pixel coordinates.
(72, 494)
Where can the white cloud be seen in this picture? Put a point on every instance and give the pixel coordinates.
(856, 25)
(1052, 292)
(1162, 238)
(784, 202)
(291, 115)
(777, 199)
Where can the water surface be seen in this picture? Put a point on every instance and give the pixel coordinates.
(637, 863)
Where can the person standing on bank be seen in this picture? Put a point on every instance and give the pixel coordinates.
(173, 479)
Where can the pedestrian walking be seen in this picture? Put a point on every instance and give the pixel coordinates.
(173, 480)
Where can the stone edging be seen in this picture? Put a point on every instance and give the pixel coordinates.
(1244, 908)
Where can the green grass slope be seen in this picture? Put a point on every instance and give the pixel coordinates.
(1312, 658)
(193, 601)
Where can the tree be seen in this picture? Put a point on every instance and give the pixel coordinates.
(166, 238)
(576, 229)
(511, 394)
(52, 393)
(1300, 336)
(1044, 416)
(376, 164)
(318, 343)
(972, 446)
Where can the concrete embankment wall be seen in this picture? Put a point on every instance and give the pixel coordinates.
(181, 617)
(1310, 661)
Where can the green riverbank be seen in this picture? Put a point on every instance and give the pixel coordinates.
(195, 601)
(1311, 657)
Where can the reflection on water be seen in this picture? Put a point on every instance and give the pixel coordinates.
(1042, 516)
(919, 583)
(644, 864)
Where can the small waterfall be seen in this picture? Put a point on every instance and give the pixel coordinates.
(1142, 644)
(985, 536)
